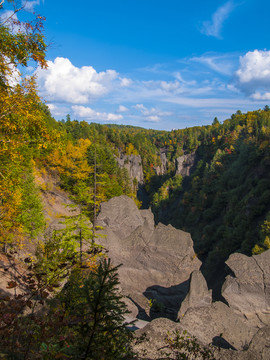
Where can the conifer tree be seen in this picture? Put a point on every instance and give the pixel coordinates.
(101, 331)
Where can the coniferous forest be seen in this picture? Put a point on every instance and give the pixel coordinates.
(67, 305)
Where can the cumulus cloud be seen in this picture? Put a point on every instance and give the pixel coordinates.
(122, 108)
(64, 82)
(88, 113)
(214, 26)
(253, 75)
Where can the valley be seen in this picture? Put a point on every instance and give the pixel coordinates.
(134, 195)
(119, 242)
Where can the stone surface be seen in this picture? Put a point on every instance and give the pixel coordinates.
(198, 294)
(162, 169)
(133, 164)
(249, 291)
(185, 163)
(157, 261)
(153, 335)
(260, 345)
(259, 348)
(209, 322)
(150, 342)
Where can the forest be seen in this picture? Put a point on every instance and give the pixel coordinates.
(223, 203)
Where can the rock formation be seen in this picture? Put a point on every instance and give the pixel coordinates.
(207, 323)
(162, 169)
(248, 293)
(133, 164)
(157, 261)
(207, 320)
(154, 335)
(185, 163)
(198, 295)
(235, 336)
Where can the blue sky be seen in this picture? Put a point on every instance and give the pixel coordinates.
(155, 63)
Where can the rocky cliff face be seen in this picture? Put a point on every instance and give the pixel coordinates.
(184, 164)
(162, 169)
(133, 164)
(157, 261)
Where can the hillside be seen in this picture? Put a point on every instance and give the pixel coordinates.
(221, 195)
(212, 181)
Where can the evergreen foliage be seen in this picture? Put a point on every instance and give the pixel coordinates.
(101, 331)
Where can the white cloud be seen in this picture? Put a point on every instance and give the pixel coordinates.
(152, 114)
(158, 99)
(125, 82)
(122, 108)
(218, 63)
(170, 85)
(214, 26)
(8, 14)
(88, 113)
(179, 77)
(140, 107)
(162, 86)
(58, 110)
(14, 77)
(253, 75)
(208, 102)
(9, 19)
(64, 82)
(260, 96)
(30, 5)
(153, 118)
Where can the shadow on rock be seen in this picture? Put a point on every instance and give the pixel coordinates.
(219, 342)
(166, 301)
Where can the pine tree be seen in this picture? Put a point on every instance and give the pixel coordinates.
(98, 310)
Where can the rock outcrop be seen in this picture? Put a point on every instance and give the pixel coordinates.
(248, 293)
(133, 164)
(207, 323)
(162, 169)
(157, 261)
(185, 163)
(206, 320)
(154, 343)
(154, 335)
(198, 294)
